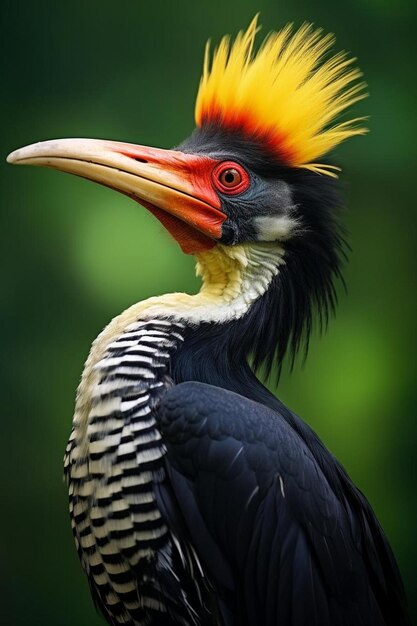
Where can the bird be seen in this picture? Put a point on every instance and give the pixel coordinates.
(196, 496)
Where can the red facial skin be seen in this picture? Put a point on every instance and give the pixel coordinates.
(191, 240)
(194, 217)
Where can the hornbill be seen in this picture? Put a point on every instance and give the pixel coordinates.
(196, 496)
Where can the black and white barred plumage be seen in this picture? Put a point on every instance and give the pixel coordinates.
(114, 467)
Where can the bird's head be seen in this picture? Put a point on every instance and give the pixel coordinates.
(250, 173)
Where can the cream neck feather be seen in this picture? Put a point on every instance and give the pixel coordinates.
(232, 279)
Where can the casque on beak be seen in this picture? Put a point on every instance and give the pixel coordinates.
(176, 187)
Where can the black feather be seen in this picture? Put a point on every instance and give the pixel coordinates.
(305, 542)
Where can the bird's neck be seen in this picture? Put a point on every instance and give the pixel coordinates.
(233, 278)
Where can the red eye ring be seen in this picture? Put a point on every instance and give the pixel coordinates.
(230, 178)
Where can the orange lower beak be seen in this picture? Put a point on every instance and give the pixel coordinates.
(175, 186)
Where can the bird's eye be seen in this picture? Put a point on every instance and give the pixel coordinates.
(230, 178)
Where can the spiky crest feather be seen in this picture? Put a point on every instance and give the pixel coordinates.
(287, 95)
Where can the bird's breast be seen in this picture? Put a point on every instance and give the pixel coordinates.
(113, 463)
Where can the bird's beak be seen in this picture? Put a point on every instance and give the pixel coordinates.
(174, 186)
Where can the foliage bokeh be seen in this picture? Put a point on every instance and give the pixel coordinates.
(76, 254)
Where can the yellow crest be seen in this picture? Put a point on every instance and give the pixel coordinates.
(287, 95)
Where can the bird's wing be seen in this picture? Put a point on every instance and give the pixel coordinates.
(261, 514)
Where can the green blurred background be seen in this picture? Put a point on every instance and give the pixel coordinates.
(76, 254)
